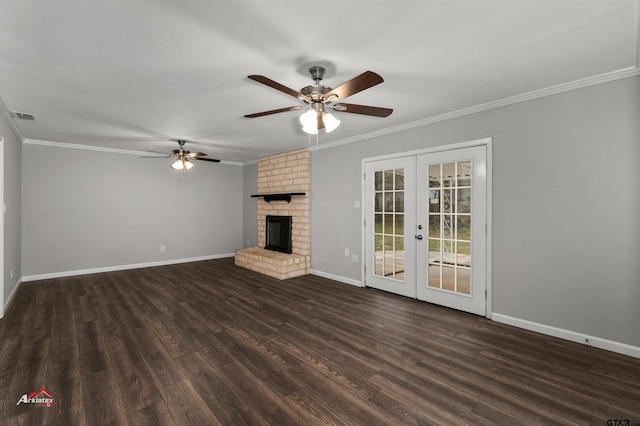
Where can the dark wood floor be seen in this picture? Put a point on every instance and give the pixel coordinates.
(209, 343)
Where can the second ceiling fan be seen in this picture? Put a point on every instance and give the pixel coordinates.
(321, 99)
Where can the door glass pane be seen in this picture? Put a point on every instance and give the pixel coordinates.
(399, 201)
(378, 243)
(464, 281)
(463, 227)
(379, 252)
(448, 201)
(434, 250)
(399, 230)
(448, 174)
(434, 225)
(464, 173)
(448, 278)
(388, 224)
(434, 176)
(463, 254)
(464, 200)
(378, 202)
(388, 180)
(447, 226)
(377, 179)
(450, 226)
(399, 180)
(388, 201)
(434, 276)
(434, 201)
(389, 227)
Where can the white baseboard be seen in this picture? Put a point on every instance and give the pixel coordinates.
(338, 278)
(122, 267)
(621, 348)
(10, 299)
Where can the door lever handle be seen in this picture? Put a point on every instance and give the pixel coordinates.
(418, 237)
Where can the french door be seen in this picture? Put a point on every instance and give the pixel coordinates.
(425, 227)
(389, 225)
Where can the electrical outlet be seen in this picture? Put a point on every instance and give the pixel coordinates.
(346, 252)
(354, 258)
(163, 249)
(11, 273)
(356, 204)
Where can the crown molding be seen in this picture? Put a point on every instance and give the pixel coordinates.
(84, 147)
(105, 149)
(536, 94)
(6, 114)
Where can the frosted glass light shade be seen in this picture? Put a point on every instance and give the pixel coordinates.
(330, 122)
(309, 119)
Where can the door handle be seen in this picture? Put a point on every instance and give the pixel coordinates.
(418, 237)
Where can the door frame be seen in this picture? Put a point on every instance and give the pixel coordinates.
(487, 142)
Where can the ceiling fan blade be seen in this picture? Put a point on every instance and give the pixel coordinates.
(273, 111)
(195, 154)
(275, 85)
(362, 109)
(156, 152)
(213, 160)
(357, 84)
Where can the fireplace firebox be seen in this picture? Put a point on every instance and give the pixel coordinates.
(279, 233)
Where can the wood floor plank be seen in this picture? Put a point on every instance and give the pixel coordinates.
(210, 343)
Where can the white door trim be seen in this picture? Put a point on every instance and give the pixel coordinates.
(488, 142)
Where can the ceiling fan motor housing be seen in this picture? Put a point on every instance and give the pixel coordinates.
(315, 92)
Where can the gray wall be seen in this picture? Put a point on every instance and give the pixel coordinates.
(13, 216)
(250, 210)
(87, 209)
(566, 203)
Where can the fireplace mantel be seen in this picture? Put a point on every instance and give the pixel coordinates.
(285, 196)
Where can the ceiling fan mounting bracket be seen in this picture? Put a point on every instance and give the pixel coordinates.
(317, 73)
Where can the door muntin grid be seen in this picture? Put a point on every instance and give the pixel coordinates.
(449, 213)
(389, 215)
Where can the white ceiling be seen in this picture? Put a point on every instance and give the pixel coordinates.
(135, 74)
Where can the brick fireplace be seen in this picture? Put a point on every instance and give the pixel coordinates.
(287, 173)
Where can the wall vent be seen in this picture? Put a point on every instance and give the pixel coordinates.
(23, 116)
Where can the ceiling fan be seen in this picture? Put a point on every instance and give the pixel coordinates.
(182, 157)
(319, 99)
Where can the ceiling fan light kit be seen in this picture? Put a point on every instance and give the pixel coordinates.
(181, 164)
(319, 99)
